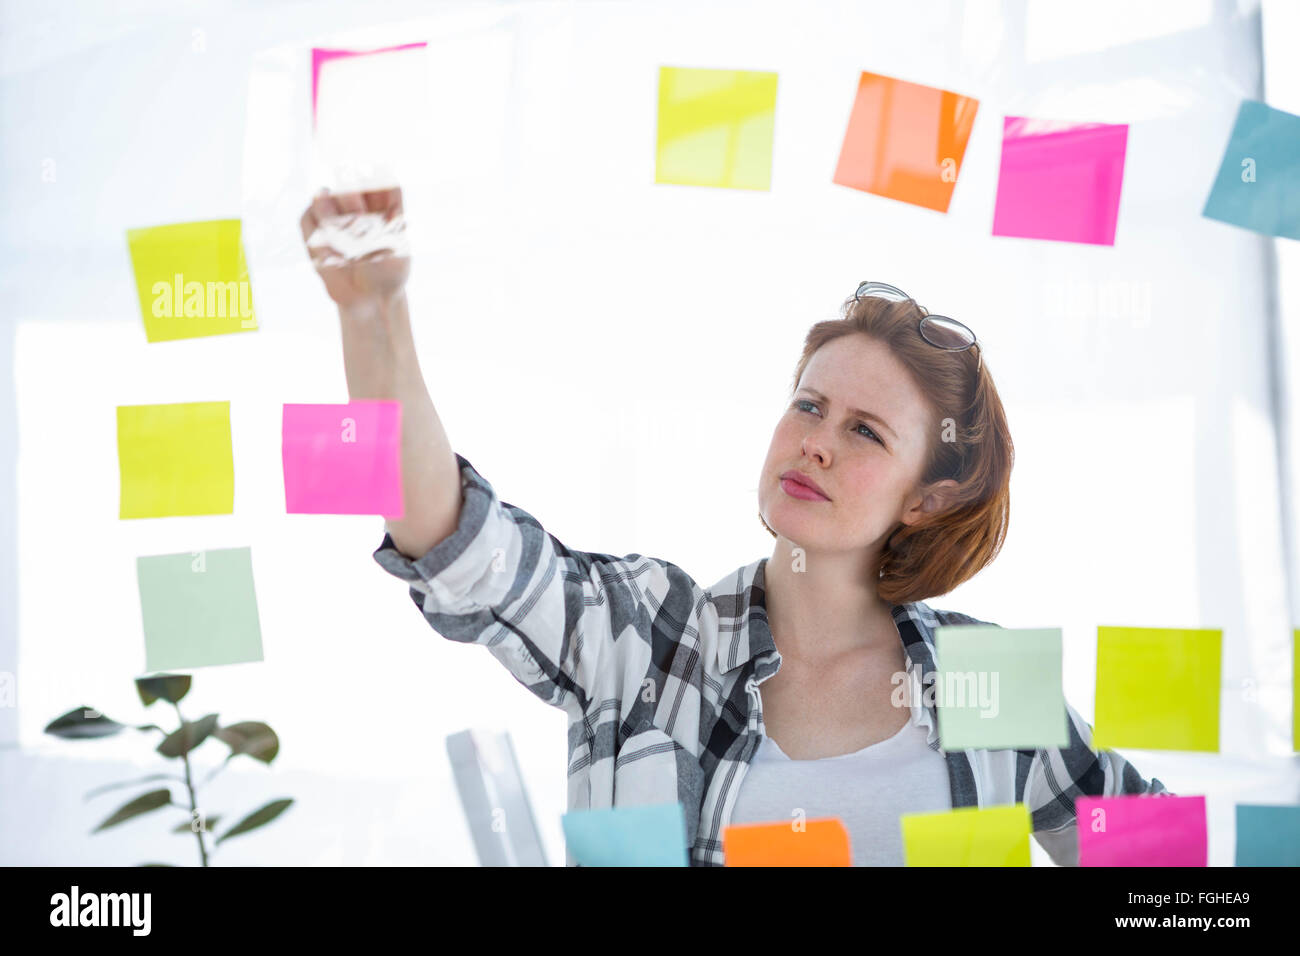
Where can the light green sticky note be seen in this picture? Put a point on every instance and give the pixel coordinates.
(191, 279)
(175, 460)
(199, 609)
(715, 128)
(967, 836)
(999, 688)
(1158, 688)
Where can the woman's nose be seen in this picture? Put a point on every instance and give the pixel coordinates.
(815, 447)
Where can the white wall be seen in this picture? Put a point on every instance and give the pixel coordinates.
(571, 314)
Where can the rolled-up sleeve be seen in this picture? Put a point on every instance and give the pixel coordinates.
(1057, 778)
(501, 580)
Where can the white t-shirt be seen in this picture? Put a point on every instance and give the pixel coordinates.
(868, 789)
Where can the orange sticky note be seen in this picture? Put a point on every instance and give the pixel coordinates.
(819, 843)
(905, 141)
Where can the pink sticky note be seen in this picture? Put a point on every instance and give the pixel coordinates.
(319, 57)
(1141, 830)
(1060, 180)
(343, 459)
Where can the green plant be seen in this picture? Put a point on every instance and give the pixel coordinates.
(249, 738)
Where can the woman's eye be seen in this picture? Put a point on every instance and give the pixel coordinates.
(873, 435)
(805, 406)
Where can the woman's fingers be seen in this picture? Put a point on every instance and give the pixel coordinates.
(325, 206)
(308, 223)
(350, 202)
(387, 201)
(376, 272)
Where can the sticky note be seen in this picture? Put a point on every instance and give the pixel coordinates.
(905, 141)
(343, 459)
(1141, 830)
(1060, 180)
(192, 280)
(715, 128)
(1268, 835)
(321, 56)
(1158, 688)
(823, 842)
(175, 460)
(651, 835)
(999, 688)
(1295, 696)
(198, 609)
(370, 117)
(967, 836)
(1258, 185)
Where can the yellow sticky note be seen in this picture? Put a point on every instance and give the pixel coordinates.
(1295, 682)
(967, 836)
(175, 460)
(192, 280)
(1158, 688)
(715, 128)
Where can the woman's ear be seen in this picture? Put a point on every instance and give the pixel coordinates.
(941, 494)
(935, 498)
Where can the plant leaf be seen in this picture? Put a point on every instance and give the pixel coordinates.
(131, 783)
(141, 804)
(257, 818)
(83, 722)
(168, 687)
(188, 825)
(252, 737)
(189, 735)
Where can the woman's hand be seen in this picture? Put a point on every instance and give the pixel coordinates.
(358, 222)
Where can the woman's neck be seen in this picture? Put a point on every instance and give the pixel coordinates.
(823, 605)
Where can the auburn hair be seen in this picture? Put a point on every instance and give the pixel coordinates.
(971, 445)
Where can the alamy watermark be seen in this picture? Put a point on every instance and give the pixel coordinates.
(947, 689)
(203, 300)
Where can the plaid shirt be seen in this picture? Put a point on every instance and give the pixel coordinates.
(659, 677)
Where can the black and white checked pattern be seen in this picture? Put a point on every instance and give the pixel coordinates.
(659, 676)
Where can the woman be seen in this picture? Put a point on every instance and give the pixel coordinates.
(773, 694)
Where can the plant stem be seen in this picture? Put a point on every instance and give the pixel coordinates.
(203, 851)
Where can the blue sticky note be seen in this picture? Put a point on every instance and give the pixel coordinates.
(652, 835)
(1268, 835)
(1258, 186)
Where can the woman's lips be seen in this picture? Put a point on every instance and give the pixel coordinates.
(797, 490)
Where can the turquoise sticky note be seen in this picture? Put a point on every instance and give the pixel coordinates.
(653, 835)
(1258, 186)
(1268, 835)
(999, 688)
(198, 609)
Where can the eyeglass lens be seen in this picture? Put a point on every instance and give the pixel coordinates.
(945, 332)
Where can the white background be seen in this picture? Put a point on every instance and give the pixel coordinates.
(589, 336)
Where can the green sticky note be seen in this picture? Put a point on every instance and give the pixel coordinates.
(999, 688)
(191, 279)
(199, 609)
(967, 836)
(1158, 688)
(175, 460)
(715, 128)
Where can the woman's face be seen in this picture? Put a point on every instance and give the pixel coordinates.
(868, 469)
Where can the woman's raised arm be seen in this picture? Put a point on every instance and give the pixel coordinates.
(379, 357)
